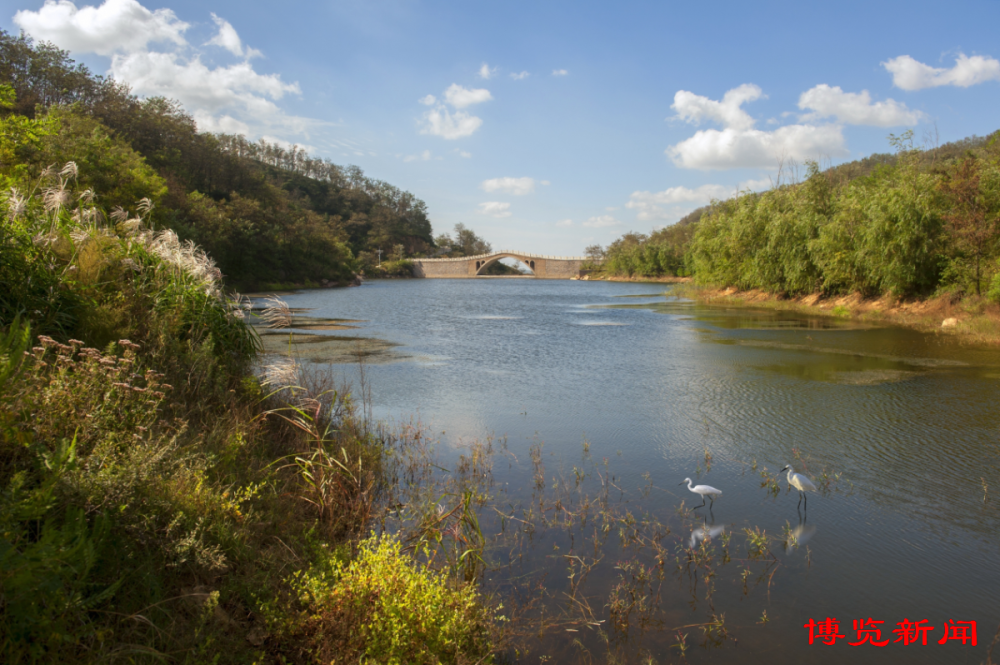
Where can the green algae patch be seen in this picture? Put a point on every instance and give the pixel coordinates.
(316, 348)
(317, 323)
(297, 322)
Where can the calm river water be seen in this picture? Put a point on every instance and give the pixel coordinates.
(909, 419)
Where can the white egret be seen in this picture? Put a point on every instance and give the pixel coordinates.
(799, 482)
(703, 490)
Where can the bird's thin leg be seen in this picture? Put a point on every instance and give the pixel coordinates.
(807, 500)
(800, 500)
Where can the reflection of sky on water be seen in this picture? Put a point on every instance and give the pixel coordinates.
(909, 419)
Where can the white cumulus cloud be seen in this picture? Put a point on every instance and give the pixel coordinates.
(910, 74)
(233, 98)
(207, 92)
(521, 75)
(601, 222)
(439, 122)
(486, 73)
(732, 148)
(198, 86)
(515, 186)
(564, 223)
(494, 209)
(228, 39)
(650, 204)
(673, 203)
(223, 124)
(856, 108)
(116, 25)
(728, 112)
(739, 143)
(560, 72)
(460, 97)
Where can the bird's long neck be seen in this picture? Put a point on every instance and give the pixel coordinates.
(690, 485)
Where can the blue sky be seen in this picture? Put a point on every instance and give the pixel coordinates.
(549, 126)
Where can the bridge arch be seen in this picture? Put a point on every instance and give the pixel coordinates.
(465, 267)
(484, 263)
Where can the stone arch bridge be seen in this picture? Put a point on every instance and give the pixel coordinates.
(465, 267)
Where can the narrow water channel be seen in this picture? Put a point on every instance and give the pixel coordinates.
(904, 425)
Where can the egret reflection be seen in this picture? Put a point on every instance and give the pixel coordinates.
(704, 532)
(800, 535)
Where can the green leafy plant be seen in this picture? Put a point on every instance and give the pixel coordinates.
(386, 607)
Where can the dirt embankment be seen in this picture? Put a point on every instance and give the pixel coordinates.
(972, 318)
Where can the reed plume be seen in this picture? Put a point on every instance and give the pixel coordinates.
(16, 204)
(277, 314)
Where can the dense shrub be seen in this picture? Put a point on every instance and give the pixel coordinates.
(660, 253)
(403, 268)
(907, 225)
(385, 607)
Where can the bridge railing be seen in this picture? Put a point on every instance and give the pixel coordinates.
(527, 255)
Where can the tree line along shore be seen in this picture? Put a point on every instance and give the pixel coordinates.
(910, 236)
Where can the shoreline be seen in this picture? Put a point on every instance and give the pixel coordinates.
(639, 280)
(970, 319)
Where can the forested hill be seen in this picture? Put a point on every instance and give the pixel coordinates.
(266, 214)
(912, 223)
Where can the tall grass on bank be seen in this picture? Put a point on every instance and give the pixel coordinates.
(72, 269)
(155, 503)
